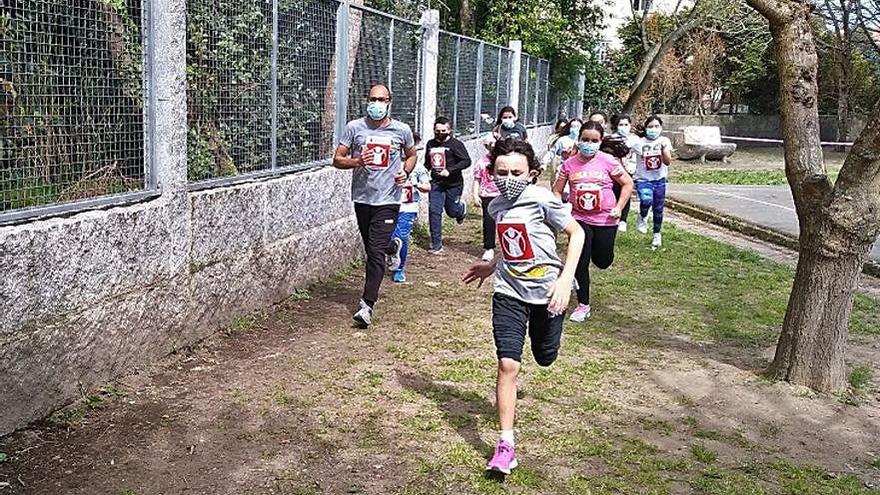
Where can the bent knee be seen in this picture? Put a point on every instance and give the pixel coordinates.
(546, 358)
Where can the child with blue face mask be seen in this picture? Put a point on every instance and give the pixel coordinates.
(653, 154)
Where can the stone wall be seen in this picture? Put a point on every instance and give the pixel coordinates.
(756, 126)
(89, 297)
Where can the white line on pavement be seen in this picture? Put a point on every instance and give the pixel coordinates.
(746, 198)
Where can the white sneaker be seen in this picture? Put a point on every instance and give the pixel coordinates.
(580, 313)
(393, 260)
(642, 225)
(657, 242)
(489, 255)
(621, 227)
(364, 315)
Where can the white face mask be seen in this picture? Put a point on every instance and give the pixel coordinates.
(508, 123)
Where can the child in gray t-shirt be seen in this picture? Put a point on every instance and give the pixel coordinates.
(532, 284)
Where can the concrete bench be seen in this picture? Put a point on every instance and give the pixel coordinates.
(703, 142)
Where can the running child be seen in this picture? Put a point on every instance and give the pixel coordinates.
(532, 285)
(619, 142)
(653, 154)
(417, 183)
(484, 192)
(591, 175)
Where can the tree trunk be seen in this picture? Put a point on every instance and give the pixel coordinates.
(646, 74)
(842, 111)
(466, 18)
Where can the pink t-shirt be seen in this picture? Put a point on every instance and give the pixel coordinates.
(487, 186)
(591, 182)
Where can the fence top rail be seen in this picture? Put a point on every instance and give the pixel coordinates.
(524, 54)
(380, 13)
(475, 40)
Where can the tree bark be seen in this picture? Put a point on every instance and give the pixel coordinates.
(466, 18)
(838, 224)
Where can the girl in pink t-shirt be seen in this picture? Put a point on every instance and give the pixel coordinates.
(590, 176)
(484, 192)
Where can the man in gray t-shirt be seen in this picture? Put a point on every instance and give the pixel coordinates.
(381, 153)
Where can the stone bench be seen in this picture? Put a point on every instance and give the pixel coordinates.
(703, 142)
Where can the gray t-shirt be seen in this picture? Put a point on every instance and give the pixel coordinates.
(375, 185)
(527, 231)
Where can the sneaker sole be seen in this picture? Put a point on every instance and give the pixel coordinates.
(513, 465)
(360, 322)
(580, 320)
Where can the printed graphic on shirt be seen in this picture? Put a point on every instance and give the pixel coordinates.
(407, 195)
(653, 156)
(587, 198)
(438, 159)
(515, 243)
(381, 147)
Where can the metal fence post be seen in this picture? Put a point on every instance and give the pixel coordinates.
(525, 112)
(515, 68)
(498, 84)
(547, 93)
(455, 91)
(274, 63)
(342, 26)
(478, 94)
(535, 117)
(430, 54)
(579, 101)
(390, 56)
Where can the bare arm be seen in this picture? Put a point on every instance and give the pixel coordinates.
(626, 189)
(410, 161)
(559, 185)
(667, 154)
(341, 159)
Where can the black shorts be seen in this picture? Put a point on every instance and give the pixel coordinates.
(510, 319)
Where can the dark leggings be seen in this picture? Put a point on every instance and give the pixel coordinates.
(376, 224)
(624, 214)
(598, 248)
(488, 225)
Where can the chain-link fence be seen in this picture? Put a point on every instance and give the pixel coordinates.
(72, 101)
(534, 90)
(472, 82)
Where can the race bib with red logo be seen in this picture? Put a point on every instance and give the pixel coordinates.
(587, 198)
(515, 243)
(653, 159)
(407, 194)
(438, 159)
(381, 147)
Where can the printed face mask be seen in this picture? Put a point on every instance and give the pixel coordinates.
(508, 123)
(377, 110)
(653, 132)
(511, 187)
(589, 149)
(623, 130)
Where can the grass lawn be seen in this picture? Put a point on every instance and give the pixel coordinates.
(656, 394)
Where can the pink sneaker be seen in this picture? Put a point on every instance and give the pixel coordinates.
(504, 459)
(580, 313)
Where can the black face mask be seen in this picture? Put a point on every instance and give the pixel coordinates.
(442, 136)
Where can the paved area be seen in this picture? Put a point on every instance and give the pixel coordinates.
(767, 206)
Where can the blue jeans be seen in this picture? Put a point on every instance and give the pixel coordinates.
(443, 197)
(405, 222)
(652, 194)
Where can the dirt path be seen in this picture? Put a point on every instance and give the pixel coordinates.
(296, 402)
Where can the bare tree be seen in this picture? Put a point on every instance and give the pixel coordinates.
(842, 19)
(838, 222)
(869, 22)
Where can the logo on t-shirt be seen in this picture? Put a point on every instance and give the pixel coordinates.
(381, 148)
(407, 193)
(587, 198)
(653, 157)
(515, 243)
(438, 159)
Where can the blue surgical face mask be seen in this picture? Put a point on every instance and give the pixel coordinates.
(623, 130)
(377, 110)
(653, 132)
(589, 149)
(574, 132)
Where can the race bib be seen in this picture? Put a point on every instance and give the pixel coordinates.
(515, 243)
(587, 198)
(653, 158)
(407, 193)
(438, 159)
(381, 147)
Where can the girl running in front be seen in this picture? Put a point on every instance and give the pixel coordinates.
(591, 175)
(484, 192)
(532, 285)
(653, 154)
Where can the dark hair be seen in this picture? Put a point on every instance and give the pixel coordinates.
(508, 146)
(652, 118)
(504, 110)
(442, 120)
(560, 124)
(615, 120)
(603, 114)
(566, 130)
(417, 138)
(592, 126)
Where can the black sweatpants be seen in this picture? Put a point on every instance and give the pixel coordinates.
(376, 224)
(624, 214)
(488, 225)
(598, 248)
